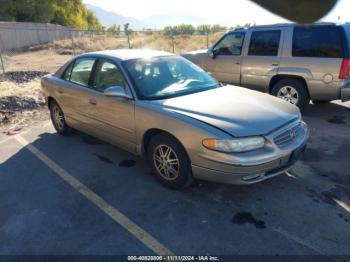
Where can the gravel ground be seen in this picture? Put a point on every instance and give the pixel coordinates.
(21, 100)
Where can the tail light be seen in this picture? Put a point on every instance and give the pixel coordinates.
(345, 69)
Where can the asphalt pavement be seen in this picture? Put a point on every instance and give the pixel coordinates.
(79, 195)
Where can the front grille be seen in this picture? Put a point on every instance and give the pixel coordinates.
(288, 136)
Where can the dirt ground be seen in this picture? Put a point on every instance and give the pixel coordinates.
(21, 102)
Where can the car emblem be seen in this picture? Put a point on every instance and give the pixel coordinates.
(293, 134)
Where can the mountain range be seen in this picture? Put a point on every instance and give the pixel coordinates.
(108, 18)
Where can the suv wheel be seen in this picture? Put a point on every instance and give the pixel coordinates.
(293, 91)
(58, 121)
(169, 162)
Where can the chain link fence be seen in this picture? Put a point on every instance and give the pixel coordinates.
(42, 48)
(29, 51)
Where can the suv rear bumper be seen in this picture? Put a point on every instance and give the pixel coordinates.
(345, 92)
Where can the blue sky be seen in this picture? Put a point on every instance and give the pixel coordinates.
(227, 12)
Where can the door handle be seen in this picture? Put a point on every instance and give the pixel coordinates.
(92, 101)
(275, 64)
(238, 63)
(60, 92)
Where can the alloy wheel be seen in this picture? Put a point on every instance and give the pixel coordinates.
(58, 117)
(166, 162)
(289, 94)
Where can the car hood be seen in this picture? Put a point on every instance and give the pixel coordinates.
(235, 110)
(202, 51)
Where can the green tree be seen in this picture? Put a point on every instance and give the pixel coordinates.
(184, 29)
(64, 12)
(7, 10)
(127, 30)
(218, 28)
(168, 31)
(203, 29)
(114, 29)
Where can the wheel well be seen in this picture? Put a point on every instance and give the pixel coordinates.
(153, 132)
(277, 78)
(49, 101)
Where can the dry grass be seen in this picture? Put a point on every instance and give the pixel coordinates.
(180, 43)
(156, 41)
(21, 101)
(49, 57)
(30, 89)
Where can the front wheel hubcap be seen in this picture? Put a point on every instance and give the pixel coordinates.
(166, 162)
(289, 94)
(57, 117)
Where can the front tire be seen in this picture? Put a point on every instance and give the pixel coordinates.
(58, 120)
(169, 162)
(293, 91)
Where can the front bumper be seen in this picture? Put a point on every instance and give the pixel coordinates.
(345, 92)
(253, 174)
(282, 149)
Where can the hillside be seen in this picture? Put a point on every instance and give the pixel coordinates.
(108, 18)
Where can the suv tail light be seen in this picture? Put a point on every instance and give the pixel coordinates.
(345, 69)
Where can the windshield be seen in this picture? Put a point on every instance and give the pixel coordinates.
(165, 77)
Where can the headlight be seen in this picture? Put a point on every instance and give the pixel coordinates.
(234, 145)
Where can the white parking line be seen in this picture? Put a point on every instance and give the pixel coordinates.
(112, 212)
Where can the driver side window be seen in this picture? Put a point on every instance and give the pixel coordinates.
(231, 44)
(107, 74)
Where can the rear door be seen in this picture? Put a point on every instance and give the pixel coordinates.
(74, 95)
(319, 51)
(226, 65)
(261, 57)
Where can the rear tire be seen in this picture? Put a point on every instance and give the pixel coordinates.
(293, 91)
(169, 162)
(58, 120)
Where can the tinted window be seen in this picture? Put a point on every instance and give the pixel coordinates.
(231, 44)
(347, 33)
(264, 43)
(317, 41)
(107, 74)
(82, 70)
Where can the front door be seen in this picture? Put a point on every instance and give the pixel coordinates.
(261, 59)
(225, 66)
(113, 116)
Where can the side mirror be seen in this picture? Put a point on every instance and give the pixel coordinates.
(117, 91)
(211, 53)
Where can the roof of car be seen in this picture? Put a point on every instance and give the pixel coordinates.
(126, 54)
(279, 25)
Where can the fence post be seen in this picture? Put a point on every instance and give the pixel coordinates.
(72, 38)
(128, 36)
(2, 63)
(173, 41)
(207, 38)
(1, 59)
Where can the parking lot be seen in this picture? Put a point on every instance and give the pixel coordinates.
(78, 195)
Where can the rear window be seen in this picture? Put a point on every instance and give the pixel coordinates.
(317, 41)
(264, 43)
(347, 32)
(81, 71)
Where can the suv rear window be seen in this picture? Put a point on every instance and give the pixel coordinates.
(264, 43)
(317, 41)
